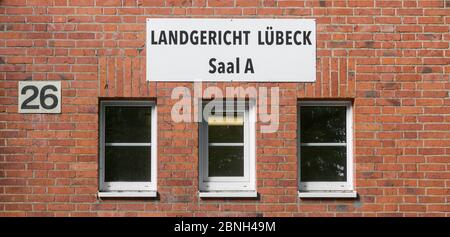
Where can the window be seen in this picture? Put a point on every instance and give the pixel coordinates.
(127, 148)
(227, 150)
(325, 147)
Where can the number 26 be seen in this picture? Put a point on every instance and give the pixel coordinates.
(42, 97)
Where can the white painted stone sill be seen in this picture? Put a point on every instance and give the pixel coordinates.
(330, 194)
(234, 194)
(125, 194)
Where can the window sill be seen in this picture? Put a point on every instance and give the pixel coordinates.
(119, 194)
(232, 194)
(330, 194)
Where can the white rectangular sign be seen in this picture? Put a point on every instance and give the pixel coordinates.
(39, 97)
(278, 50)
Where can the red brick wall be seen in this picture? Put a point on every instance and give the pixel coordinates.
(392, 57)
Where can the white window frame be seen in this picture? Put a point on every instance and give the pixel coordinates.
(121, 189)
(228, 185)
(328, 186)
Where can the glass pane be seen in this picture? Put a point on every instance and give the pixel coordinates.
(319, 163)
(227, 134)
(131, 164)
(128, 124)
(323, 124)
(236, 106)
(226, 161)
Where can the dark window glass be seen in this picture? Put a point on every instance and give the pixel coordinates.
(226, 134)
(323, 124)
(128, 124)
(226, 161)
(131, 164)
(323, 163)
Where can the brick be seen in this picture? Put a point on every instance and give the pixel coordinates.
(220, 3)
(108, 3)
(256, 3)
(151, 3)
(81, 2)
